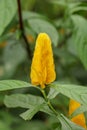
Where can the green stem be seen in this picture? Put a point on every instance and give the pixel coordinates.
(49, 103)
(44, 94)
(52, 108)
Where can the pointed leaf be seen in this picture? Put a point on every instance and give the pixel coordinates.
(75, 92)
(28, 115)
(8, 9)
(79, 38)
(26, 101)
(13, 84)
(23, 101)
(52, 93)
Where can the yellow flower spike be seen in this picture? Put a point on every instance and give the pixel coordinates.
(42, 68)
(79, 119)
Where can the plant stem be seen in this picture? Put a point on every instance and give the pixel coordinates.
(22, 29)
(52, 108)
(49, 103)
(44, 94)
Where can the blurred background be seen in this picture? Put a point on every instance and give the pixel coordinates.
(66, 23)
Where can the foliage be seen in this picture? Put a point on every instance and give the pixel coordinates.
(66, 24)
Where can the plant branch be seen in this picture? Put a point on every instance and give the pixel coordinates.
(22, 29)
(49, 103)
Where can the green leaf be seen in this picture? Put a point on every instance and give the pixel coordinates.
(29, 15)
(28, 115)
(47, 110)
(23, 101)
(75, 92)
(79, 38)
(35, 103)
(7, 11)
(67, 124)
(11, 52)
(52, 93)
(13, 84)
(79, 8)
(68, 4)
(39, 25)
(26, 101)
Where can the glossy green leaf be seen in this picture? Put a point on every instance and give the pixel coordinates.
(13, 84)
(8, 9)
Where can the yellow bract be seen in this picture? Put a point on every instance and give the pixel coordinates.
(79, 119)
(42, 68)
